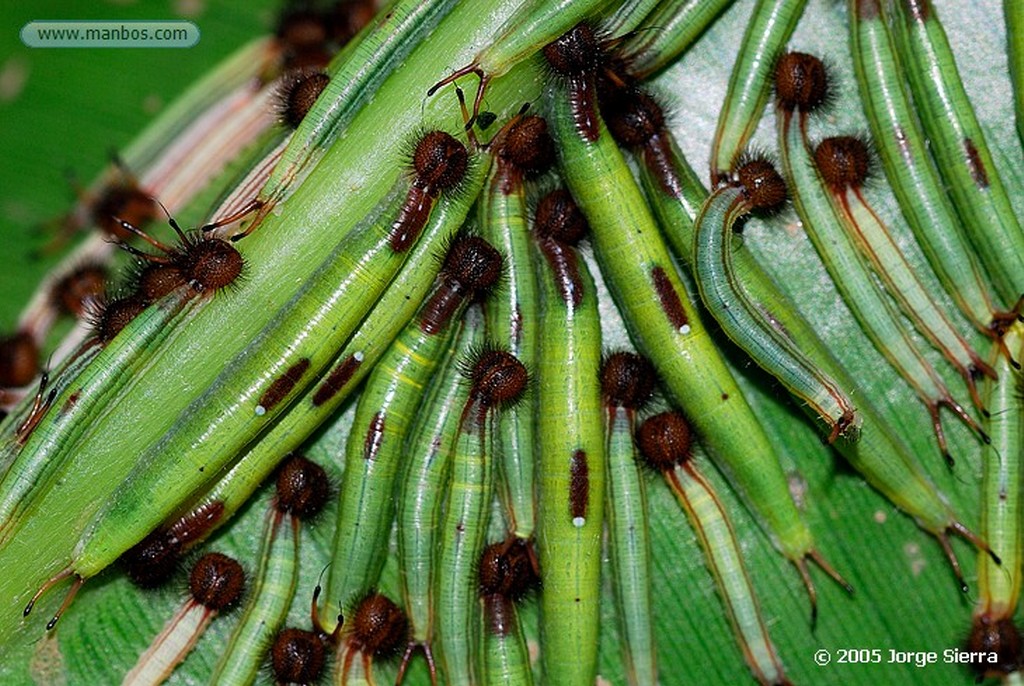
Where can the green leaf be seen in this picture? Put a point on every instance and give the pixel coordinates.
(67, 109)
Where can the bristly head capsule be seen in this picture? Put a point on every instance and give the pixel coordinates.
(665, 441)
(216, 581)
(19, 360)
(379, 626)
(506, 568)
(204, 262)
(844, 162)
(152, 562)
(114, 315)
(498, 378)
(627, 380)
(575, 52)
(298, 656)
(472, 262)
(123, 202)
(633, 116)
(527, 146)
(559, 218)
(86, 284)
(801, 82)
(439, 162)
(576, 56)
(471, 268)
(762, 184)
(302, 487)
(298, 95)
(999, 636)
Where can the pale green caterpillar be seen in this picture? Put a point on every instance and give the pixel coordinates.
(748, 323)
(667, 329)
(570, 470)
(387, 408)
(770, 26)
(667, 33)
(959, 146)
(907, 163)
(421, 490)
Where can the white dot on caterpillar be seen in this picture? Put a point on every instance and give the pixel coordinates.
(358, 356)
(260, 410)
(578, 522)
(684, 329)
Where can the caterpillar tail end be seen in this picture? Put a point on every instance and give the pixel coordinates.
(805, 574)
(965, 533)
(68, 599)
(847, 427)
(410, 650)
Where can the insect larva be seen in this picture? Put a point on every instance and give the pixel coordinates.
(998, 642)
(119, 195)
(201, 261)
(45, 454)
(880, 457)
(843, 165)
(1014, 14)
(627, 382)
(302, 491)
(570, 460)
(574, 56)
(999, 585)
(643, 282)
(19, 359)
(355, 76)
(154, 560)
(497, 380)
(310, 35)
(505, 574)
(747, 322)
(522, 150)
(840, 490)
(770, 26)
(420, 495)
(74, 292)
(182, 131)
(204, 265)
(379, 247)
(440, 163)
(872, 308)
(300, 656)
(385, 411)
(677, 195)
(665, 443)
(378, 629)
(668, 32)
(309, 235)
(959, 146)
(265, 260)
(526, 31)
(352, 364)
(299, 94)
(907, 163)
(216, 583)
